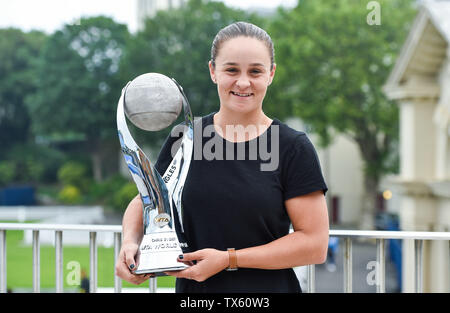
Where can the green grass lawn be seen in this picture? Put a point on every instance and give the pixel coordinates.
(20, 265)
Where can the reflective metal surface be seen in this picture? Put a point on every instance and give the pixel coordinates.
(157, 192)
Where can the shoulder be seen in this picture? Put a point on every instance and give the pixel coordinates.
(291, 138)
(300, 167)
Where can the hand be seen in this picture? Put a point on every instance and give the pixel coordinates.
(209, 263)
(128, 262)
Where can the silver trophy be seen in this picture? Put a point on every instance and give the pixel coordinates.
(151, 104)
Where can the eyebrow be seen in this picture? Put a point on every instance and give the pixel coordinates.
(236, 64)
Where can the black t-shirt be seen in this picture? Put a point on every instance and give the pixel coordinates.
(235, 199)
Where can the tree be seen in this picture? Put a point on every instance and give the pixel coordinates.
(332, 64)
(177, 43)
(79, 86)
(18, 52)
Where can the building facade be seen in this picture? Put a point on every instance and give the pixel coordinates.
(342, 168)
(420, 84)
(149, 8)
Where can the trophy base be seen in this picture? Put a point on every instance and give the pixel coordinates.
(159, 253)
(160, 271)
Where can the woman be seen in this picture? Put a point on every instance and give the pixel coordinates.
(236, 213)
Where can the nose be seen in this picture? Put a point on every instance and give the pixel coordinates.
(243, 82)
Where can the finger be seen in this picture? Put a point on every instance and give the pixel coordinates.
(187, 257)
(175, 274)
(148, 275)
(186, 273)
(189, 263)
(137, 258)
(129, 256)
(124, 273)
(139, 279)
(122, 269)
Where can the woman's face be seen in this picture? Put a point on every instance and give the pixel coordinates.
(242, 73)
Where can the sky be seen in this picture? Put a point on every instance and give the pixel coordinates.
(49, 15)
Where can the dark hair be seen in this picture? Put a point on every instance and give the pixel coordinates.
(242, 29)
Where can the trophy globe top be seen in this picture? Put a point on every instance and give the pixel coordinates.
(152, 101)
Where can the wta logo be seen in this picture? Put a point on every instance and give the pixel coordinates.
(161, 220)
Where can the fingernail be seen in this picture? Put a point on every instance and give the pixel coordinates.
(180, 257)
(131, 266)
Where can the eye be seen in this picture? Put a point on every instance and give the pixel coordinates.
(255, 71)
(231, 70)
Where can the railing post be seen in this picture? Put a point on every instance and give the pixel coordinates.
(93, 262)
(152, 284)
(3, 287)
(59, 261)
(311, 278)
(117, 245)
(418, 266)
(381, 268)
(36, 262)
(348, 280)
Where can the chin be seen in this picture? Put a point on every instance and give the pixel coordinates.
(245, 106)
(239, 108)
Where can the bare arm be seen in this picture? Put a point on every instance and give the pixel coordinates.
(308, 243)
(132, 227)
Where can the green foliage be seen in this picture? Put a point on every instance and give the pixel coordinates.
(103, 190)
(7, 172)
(70, 195)
(73, 174)
(78, 87)
(113, 193)
(18, 54)
(331, 66)
(124, 195)
(35, 170)
(30, 163)
(106, 192)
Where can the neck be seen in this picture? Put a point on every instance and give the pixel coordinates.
(257, 118)
(253, 124)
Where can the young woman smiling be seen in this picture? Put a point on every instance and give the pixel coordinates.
(236, 216)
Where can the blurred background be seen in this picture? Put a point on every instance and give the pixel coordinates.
(363, 78)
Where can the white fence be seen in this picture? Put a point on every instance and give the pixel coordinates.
(116, 230)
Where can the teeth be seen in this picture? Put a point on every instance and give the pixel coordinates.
(241, 94)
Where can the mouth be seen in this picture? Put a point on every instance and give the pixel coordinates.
(242, 95)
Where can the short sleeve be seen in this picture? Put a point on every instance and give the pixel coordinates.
(302, 173)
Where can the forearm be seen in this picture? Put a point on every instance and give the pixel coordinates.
(294, 249)
(132, 224)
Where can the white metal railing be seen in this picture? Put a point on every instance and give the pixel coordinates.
(347, 235)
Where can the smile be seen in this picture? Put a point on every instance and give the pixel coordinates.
(241, 94)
